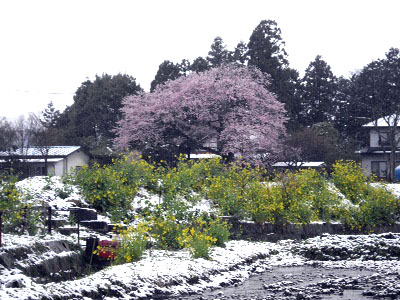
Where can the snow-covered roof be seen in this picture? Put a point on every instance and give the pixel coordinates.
(385, 121)
(40, 151)
(309, 164)
(203, 155)
(37, 160)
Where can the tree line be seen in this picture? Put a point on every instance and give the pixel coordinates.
(323, 113)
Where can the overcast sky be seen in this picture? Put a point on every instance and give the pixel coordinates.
(48, 48)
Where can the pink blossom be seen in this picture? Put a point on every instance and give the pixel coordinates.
(230, 104)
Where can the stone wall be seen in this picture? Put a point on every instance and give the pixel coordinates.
(273, 232)
(46, 261)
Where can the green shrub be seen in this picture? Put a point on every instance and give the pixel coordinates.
(112, 188)
(202, 234)
(374, 205)
(165, 231)
(133, 243)
(18, 217)
(219, 230)
(184, 184)
(198, 242)
(264, 203)
(379, 207)
(229, 190)
(325, 203)
(349, 178)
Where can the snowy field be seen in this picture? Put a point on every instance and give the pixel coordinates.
(161, 274)
(174, 274)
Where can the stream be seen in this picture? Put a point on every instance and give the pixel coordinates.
(308, 282)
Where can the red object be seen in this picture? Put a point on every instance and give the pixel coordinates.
(108, 249)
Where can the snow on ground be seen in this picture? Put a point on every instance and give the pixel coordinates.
(394, 188)
(49, 190)
(10, 241)
(174, 273)
(159, 272)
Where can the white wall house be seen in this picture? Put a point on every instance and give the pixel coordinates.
(374, 157)
(61, 160)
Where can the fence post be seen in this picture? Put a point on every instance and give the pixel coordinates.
(78, 233)
(1, 224)
(24, 209)
(49, 219)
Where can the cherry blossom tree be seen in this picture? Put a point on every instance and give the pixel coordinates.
(229, 105)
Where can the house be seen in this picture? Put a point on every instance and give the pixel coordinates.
(375, 156)
(60, 160)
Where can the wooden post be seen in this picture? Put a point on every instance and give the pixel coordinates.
(1, 224)
(49, 219)
(78, 234)
(24, 209)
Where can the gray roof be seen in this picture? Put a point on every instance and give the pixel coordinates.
(59, 151)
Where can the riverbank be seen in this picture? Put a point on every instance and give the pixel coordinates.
(173, 274)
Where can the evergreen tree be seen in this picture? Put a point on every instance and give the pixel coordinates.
(319, 87)
(91, 119)
(266, 51)
(200, 64)
(239, 55)
(376, 88)
(50, 116)
(320, 142)
(218, 54)
(343, 117)
(167, 70)
(376, 94)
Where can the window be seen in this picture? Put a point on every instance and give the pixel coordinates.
(40, 171)
(384, 139)
(379, 168)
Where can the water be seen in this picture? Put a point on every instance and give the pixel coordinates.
(303, 282)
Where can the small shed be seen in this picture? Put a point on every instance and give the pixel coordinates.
(59, 160)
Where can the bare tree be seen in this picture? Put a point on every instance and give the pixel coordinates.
(7, 135)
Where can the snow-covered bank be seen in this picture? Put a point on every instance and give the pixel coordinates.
(174, 273)
(27, 259)
(163, 273)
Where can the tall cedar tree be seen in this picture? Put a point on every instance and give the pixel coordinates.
(228, 104)
(319, 87)
(218, 54)
(239, 55)
(49, 116)
(345, 121)
(167, 70)
(266, 51)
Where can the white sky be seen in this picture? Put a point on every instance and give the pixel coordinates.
(48, 48)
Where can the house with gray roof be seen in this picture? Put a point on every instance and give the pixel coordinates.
(51, 160)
